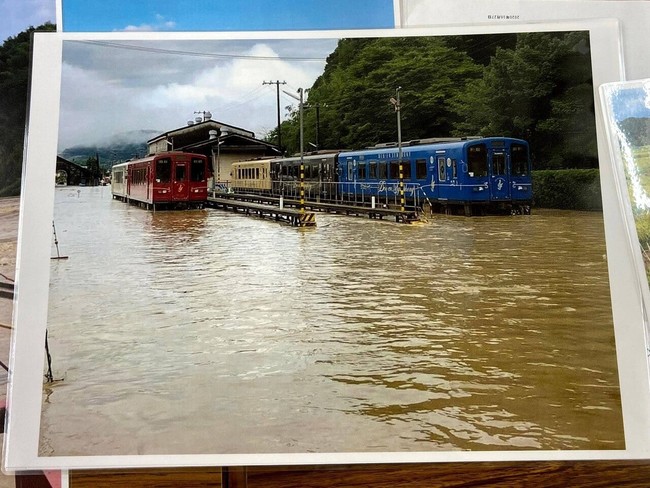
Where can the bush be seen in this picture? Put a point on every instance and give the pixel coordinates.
(11, 190)
(571, 189)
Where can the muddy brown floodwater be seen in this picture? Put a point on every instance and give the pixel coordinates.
(207, 332)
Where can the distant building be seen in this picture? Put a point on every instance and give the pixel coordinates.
(73, 174)
(223, 144)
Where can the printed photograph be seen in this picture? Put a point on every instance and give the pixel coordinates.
(628, 105)
(329, 245)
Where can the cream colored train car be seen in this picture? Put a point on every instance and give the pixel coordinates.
(251, 176)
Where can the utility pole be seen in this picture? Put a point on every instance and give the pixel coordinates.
(317, 106)
(396, 103)
(277, 84)
(301, 106)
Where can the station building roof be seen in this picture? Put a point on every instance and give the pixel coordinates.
(200, 137)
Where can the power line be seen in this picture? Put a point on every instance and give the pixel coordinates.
(176, 52)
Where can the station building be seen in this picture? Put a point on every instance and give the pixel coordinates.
(223, 144)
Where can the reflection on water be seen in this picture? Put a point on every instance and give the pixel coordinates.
(208, 332)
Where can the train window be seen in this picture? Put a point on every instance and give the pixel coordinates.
(393, 170)
(519, 160)
(197, 170)
(138, 176)
(180, 172)
(307, 171)
(383, 172)
(350, 171)
(163, 170)
(498, 163)
(442, 169)
(454, 169)
(477, 160)
(372, 170)
(420, 169)
(362, 171)
(257, 173)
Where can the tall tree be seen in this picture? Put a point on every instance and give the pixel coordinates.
(14, 80)
(360, 77)
(540, 90)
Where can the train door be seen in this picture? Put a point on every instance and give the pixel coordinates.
(180, 185)
(499, 177)
(441, 169)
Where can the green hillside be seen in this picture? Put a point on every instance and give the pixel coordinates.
(14, 80)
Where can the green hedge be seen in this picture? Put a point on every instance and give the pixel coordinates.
(571, 189)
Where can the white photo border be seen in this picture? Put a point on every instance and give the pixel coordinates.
(34, 247)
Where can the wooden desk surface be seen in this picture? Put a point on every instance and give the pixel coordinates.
(483, 474)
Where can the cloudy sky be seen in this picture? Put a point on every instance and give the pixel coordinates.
(633, 101)
(114, 87)
(18, 15)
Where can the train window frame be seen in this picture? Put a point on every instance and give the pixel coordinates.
(454, 169)
(361, 170)
(471, 162)
(499, 165)
(442, 168)
(372, 170)
(197, 170)
(183, 169)
(382, 170)
(515, 163)
(165, 170)
(421, 172)
(393, 170)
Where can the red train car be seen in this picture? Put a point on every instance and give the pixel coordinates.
(171, 179)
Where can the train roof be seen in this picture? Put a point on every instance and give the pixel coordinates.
(150, 157)
(319, 155)
(425, 144)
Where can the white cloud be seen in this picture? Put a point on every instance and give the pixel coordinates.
(160, 24)
(139, 28)
(226, 85)
(106, 91)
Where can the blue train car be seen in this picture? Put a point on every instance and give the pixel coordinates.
(477, 175)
